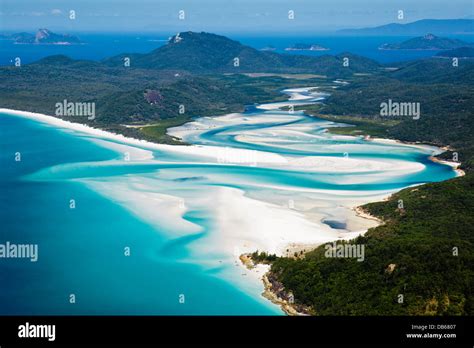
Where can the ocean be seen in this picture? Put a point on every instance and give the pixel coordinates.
(81, 250)
(182, 214)
(100, 46)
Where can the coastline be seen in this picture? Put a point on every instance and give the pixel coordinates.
(278, 296)
(433, 158)
(209, 154)
(360, 211)
(80, 127)
(274, 291)
(421, 145)
(235, 201)
(454, 165)
(279, 222)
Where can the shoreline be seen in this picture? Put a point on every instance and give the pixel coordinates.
(82, 127)
(274, 290)
(271, 290)
(208, 153)
(433, 158)
(277, 296)
(417, 144)
(360, 211)
(454, 165)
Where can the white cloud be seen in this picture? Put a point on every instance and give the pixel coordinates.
(56, 11)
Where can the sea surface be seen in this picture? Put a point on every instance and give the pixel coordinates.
(164, 208)
(101, 46)
(81, 250)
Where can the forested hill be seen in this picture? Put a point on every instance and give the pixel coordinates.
(211, 53)
(445, 94)
(132, 96)
(427, 42)
(420, 261)
(188, 71)
(420, 27)
(424, 252)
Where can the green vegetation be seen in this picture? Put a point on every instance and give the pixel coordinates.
(435, 70)
(361, 127)
(446, 108)
(42, 36)
(263, 257)
(411, 254)
(375, 127)
(122, 95)
(462, 52)
(427, 42)
(210, 53)
(157, 132)
(266, 89)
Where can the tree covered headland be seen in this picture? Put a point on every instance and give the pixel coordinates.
(423, 252)
(420, 261)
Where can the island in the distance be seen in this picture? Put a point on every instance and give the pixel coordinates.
(143, 102)
(427, 42)
(306, 47)
(42, 37)
(269, 48)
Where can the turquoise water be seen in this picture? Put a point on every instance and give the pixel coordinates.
(81, 250)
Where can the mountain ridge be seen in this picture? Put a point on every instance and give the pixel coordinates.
(206, 52)
(420, 27)
(43, 36)
(427, 42)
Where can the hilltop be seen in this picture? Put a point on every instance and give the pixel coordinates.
(211, 53)
(43, 37)
(421, 27)
(427, 42)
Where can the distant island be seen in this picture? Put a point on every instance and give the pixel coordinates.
(144, 100)
(213, 53)
(42, 37)
(268, 48)
(427, 42)
(306, 47)
(421, 27)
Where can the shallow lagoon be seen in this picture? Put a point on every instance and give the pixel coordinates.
(186, 213)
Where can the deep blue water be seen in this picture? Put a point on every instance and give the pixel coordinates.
(363, 46)
(100, 46)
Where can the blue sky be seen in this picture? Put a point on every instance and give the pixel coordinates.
(224, 16)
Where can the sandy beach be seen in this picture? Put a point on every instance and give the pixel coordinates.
(252, 224)
(277, 218)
